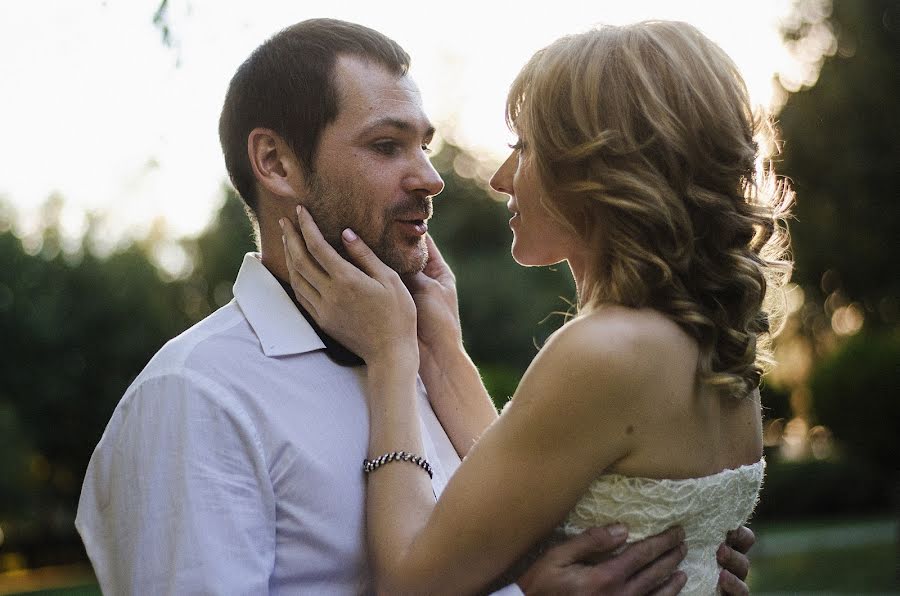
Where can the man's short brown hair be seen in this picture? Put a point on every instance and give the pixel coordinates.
(288, 85)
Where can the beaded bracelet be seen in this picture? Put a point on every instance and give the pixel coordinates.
(370, 465)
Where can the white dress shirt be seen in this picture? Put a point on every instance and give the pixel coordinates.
(233, 463)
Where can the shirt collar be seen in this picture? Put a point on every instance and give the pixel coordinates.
(281, 329)
(335, 349)
(271, 309)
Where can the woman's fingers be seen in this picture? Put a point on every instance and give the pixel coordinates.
(306, 294)
(322, 252)
(363, 257)
(436, 267)
(298, 257)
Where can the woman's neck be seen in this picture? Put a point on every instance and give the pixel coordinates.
(581, 272)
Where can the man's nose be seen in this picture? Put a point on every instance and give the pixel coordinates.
(424, 178)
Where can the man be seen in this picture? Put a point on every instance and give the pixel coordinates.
(233, 464)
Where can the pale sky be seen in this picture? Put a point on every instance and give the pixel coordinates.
(94, 107)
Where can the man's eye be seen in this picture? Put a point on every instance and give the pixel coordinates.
(426, 148)
(386, 147)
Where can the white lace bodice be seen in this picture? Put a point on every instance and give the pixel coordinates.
(707, 508)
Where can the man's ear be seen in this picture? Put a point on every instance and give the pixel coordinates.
(274, 164)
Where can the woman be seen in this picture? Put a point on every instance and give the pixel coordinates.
(636, 165)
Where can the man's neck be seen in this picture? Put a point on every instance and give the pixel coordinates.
(272, 257)
(335, 350)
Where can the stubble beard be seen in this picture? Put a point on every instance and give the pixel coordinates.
(335, 206)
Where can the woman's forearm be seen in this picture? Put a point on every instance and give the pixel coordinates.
(457, 394)
(403, 486)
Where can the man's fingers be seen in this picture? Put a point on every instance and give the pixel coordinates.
(589, 544)
(735, 562)
(297, 256)
(671, 586)
(729, 584)
(656, 573)
(741, 540)
(640, 554)
(362, 256)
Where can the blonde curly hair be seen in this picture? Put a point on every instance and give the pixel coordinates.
(643, 138)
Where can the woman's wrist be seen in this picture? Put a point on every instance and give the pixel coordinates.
(444, 345)
(442, 358)
(395, 357)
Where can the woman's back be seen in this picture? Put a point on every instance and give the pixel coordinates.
(696, 457)
(679, 428)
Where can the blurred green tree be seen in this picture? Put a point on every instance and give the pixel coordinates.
(856, 396)
(217, 253)
(841, 153)
(76, 331)
(841, 150)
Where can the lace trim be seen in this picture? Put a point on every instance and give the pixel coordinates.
(707, 508)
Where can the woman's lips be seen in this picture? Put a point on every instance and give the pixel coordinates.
(511, 205)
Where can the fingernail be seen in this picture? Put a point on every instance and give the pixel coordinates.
(617, 530)
(299, 209)
(721, 553)
(281, 223)
(348, 235)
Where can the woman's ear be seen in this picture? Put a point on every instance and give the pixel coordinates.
(274, 164)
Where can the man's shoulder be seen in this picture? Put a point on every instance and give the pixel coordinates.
(224, 334)
(193, 372)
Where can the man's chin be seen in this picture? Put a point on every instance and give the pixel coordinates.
(406, 260)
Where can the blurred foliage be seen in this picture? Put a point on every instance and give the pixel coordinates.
(776, 401)
(76, 330)
(856, 396)
(821, 488)
(842, 153)
(75, 333)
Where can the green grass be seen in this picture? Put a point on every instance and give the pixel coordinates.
(859, 556)
(854, 570)
(87, 590)
(836, 556)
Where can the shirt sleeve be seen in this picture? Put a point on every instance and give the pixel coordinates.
(510, 590)
(177, 497)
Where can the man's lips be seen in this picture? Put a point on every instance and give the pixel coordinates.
(414, 225)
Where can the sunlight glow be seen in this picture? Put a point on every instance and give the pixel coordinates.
(98, 110)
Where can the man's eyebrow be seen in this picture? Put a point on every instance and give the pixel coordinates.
(402, 125)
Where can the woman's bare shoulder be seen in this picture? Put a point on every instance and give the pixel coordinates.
(631, 338)
(608, 357)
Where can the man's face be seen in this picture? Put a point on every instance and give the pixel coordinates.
(372, 172)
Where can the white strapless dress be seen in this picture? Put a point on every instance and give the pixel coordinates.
(707, 508)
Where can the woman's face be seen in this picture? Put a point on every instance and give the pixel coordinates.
(538, 238)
